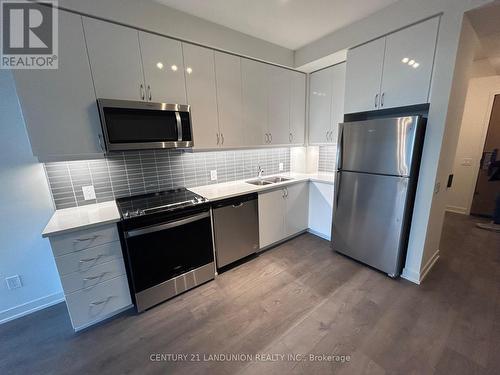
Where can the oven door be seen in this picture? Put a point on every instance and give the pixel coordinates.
(161, 252)
(130, 125)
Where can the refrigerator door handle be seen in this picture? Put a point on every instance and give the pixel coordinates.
(340, 146)
(338, 180)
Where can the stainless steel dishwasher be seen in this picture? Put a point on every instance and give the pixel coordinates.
(236, 226)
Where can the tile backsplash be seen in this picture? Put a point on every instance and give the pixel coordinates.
(131, 173)
(327, 158)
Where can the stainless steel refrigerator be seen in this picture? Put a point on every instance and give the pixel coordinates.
(375, 184)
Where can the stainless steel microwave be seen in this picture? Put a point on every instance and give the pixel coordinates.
(134, 125)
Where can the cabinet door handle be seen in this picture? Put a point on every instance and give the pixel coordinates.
(78, 240)
(267, 137)
(99, 137)
(271, 135)
(382, 99)
(376, 100)
(222, 137)
(97, 303)
(150, 96)
(217, 138)
(286, 190)
(283, 196)
(142, 91)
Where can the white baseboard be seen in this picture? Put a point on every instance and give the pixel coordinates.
(319, 234)
(416, 276)
(428, 266)
(30, 307)
(457, 210)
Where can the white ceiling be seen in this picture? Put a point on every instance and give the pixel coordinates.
(486, 23)
(288, 23)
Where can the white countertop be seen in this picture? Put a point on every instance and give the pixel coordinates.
(92, 215)
(234, 188)
(83, 217)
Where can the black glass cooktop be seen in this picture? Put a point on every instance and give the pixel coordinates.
(167, 200)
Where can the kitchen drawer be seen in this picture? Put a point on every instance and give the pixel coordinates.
(92, 276)
(90, 305)
(76, 241)
(86, 259)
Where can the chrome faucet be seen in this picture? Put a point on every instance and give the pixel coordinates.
(260, 171)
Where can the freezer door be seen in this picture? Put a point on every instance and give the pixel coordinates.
(383, 146)
(368, 218)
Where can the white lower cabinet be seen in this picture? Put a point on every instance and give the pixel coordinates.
(283, 213)
(320, 209)
(92, 272)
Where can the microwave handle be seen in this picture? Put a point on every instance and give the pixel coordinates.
(173, 224)
(179, 126)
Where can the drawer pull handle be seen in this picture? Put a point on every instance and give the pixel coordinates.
(97, 303)
(90, 278)
(86, 239)
(90, 259)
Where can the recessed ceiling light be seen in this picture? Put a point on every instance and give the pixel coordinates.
(159, 65)
(405, 60)
(416, 65)
(189, 70)
(174, 68)
(411, 62)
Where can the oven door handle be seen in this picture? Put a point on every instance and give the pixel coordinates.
(173, 224)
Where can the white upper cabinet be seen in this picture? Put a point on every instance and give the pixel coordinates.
(279, 105)
(254, 76)
(59, 106)
(405, 83)
(201, 95)
(338, 99)
(163, 69)
(320, 105)
(392, 71)
(297, 107)
(115, 60)
(229, 100)
(364, 76)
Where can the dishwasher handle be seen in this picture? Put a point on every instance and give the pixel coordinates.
(235, 202)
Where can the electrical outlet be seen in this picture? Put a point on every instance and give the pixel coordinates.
(88, 192)
(213, 175)
(281, 167)
(13, 282)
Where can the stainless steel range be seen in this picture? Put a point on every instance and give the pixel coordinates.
(167, 243)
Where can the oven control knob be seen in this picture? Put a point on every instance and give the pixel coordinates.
(126, 215)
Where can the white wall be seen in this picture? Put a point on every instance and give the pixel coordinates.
(471, 141)
(152, 16)
(426, 224)
(26, 207)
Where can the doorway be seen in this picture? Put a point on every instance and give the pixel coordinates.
(483, 202)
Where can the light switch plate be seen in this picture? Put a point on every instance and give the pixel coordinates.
(88, 192)
(467, 162)
(213, 175)
(13, 282)
(281, 167)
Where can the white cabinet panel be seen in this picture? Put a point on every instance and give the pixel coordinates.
(297, 107)
(320, 105)
(90, 305)
(404, 84)
(229, 101)
(320, 209)
(297, 205)
(363, 76)
(163, 69)
(201, 95)
(115, 60)
(338, 95)
(255, 84)
(59, 106)
(279, 105)
(271, 217)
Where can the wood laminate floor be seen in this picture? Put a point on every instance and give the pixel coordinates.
(298, 298)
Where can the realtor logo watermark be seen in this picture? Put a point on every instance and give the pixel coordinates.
(29, 34)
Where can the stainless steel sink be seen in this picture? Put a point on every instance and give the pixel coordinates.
(259, 182)
(275, 180)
